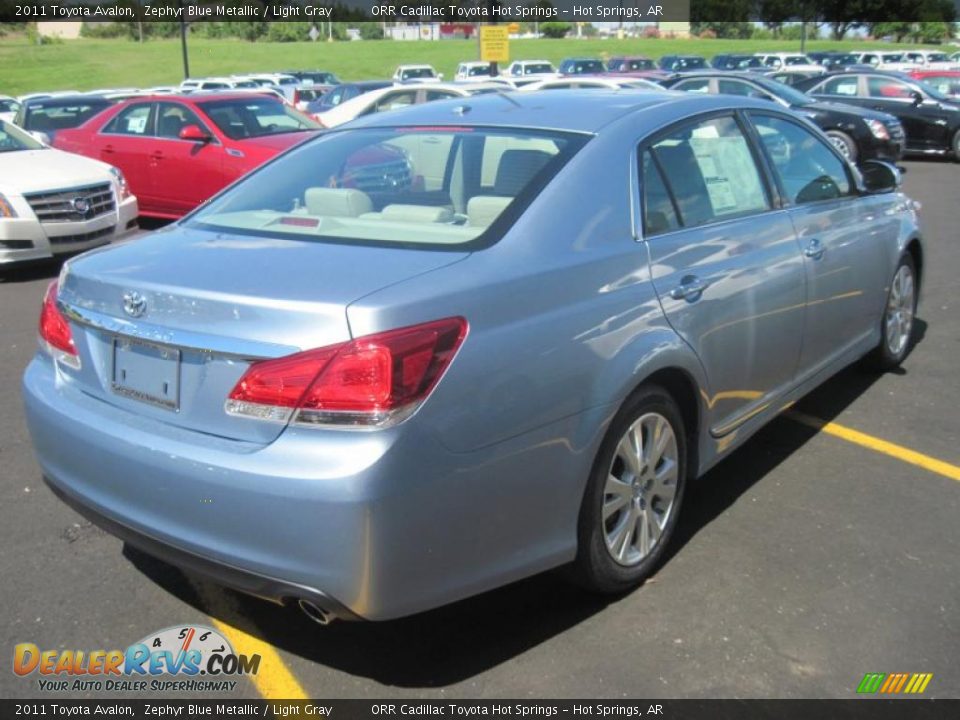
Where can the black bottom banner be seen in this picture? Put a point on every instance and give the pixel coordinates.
(914, 709)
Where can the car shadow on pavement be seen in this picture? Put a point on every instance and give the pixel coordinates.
(456, 642)
(33, 270)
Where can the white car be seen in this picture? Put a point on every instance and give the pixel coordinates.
(601, 83)
(931, 60)
(791, 61)
(541, 69)
(474, 71)
(8, 108)
(395, 97)
(885, 60)
(416, 73)
(54, 202)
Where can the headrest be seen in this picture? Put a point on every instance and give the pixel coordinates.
(336, 202)
(484, 209)
(417, 213)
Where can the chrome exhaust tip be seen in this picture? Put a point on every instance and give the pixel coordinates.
(316, 613)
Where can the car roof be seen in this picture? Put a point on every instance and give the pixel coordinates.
(64, 99)
(569, 110)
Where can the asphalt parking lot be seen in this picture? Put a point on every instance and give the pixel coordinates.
(821, 550)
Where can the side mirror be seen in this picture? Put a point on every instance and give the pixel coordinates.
(440, 76)
(194, 133)
(879, 177)
(917, 97)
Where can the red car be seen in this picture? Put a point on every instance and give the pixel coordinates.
(947, 82)
(177, 151)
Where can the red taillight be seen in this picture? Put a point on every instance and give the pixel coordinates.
(375, 380)
(55, 332)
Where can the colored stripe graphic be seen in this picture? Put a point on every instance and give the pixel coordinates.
(894, 683)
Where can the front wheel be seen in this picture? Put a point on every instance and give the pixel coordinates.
(844, 143)
(633, 497)
(956, 146)
(897, 325)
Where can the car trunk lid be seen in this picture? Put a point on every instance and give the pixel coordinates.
(166, 325)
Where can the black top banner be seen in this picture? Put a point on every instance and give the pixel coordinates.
(444, 11)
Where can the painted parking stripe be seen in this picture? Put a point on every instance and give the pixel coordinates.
(274, 681)
(904, 454)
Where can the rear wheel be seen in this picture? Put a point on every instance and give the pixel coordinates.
(898, 316)
(633, 497)
(956, 146)
(844, 143)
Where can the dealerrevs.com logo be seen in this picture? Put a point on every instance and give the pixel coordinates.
(186, 658)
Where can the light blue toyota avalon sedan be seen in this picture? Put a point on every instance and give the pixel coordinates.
(452, 346)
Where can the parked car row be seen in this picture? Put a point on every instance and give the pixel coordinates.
(176, 149)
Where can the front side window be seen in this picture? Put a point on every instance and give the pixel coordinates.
(737, 87)
(807, 169)
(133, 120)
(395, 101)
(256, 117)
(710, 172)
(174, 117)
(406, 187)
(888, 89)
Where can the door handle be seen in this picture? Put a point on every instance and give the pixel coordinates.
(157, 155)
(814, 249)
(690, 288)
(108, 149)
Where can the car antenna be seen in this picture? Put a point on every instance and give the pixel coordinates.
(506, 96)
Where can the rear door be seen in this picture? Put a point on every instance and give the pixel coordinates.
(184, 173)
(725, 264)
(841, 242)
(123, 142)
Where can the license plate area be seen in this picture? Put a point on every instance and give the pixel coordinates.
(146, 372)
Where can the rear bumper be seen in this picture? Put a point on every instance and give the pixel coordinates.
(262, 586)
(374, 525)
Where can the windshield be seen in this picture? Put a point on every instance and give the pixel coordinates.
(842, 60)
(9, 106)
(937, 57)
(892, 57)
(52, 116)
(785, 92)
(584, 67)
(13, 139)
(481, 70)
(948, 85)
(409, 187)
(689, 63)
(414, 73)
(239, 119)
(537, 68)
(748, 62)
(933, 90)
(797, 60)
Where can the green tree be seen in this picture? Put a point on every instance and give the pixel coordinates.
(555, 30)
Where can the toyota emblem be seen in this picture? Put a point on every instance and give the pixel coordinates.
(134, 304)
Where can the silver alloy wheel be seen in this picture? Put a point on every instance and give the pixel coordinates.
(899, 318)
(641, 485)
(840, 144)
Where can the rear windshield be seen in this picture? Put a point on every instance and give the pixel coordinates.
(256, 117)
(43, 117)
(537, 68)
(433, 187)
(414, 73)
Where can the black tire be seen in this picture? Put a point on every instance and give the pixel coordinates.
(845, 144)
(595, 567)
(884, 357)
(955, 146)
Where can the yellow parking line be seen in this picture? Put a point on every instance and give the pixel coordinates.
(899, 452)
(274, 681)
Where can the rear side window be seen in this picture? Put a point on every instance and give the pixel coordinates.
(710, 172)
(697, 86)
(46, 118)
(888, 88)
(807, 169)
(134, 120)
(659, 214)
(840, 86)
